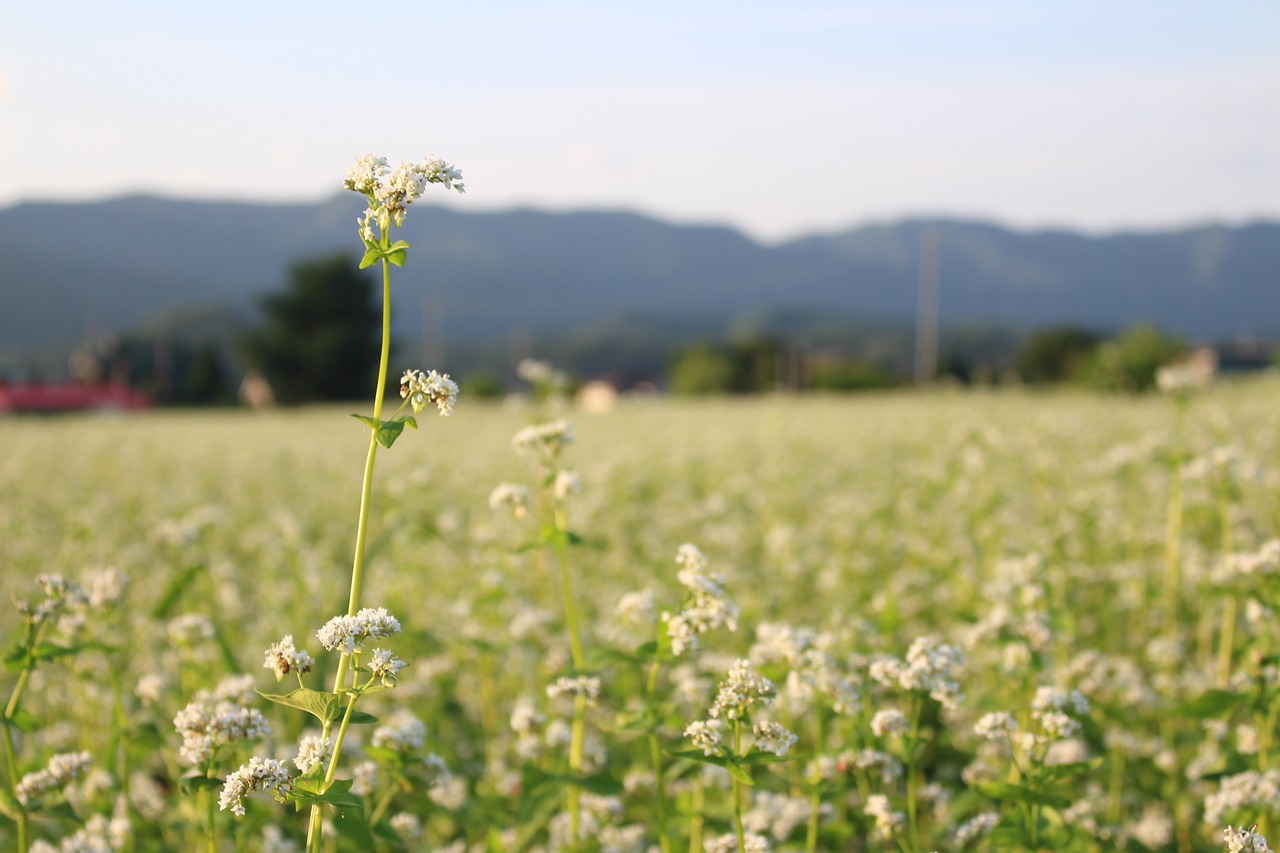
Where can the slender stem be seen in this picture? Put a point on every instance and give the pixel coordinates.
(917, 708)
(383, 805)
(362, 528)
(211, 838)
(696, 805)
(566, 588)
(655, 754)
(815, 796)
(737, 788)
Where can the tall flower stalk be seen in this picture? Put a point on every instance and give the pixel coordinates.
(390, 192)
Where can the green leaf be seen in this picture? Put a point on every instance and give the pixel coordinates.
(389, 432)
(23, 721)
(194, 780)
(370, 258)
(732, 765)
(757, 756)
(360, 718)
(1066, 771)
(181, 581)
(8, 805)
(352, 825)
(397, 257)
(399, 245)
(1214, 703)
(322, 706)
(1010, 793)
(410, 421)
(17, 657)
(371, 423)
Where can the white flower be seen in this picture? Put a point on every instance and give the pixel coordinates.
(313, 752)
(706, 606)
(580, 685)
(424, 389)
(344, 633)
(1245, 841)
(567, 483)
(282, 658)
(772, 737)
(385, 665)
(510, 495)
(546, 439)
(997, 725)
(405, 733)
(705, 735)
(888, 822)
(61, 769)
(740, 690)
(259, 774)
(889, 722)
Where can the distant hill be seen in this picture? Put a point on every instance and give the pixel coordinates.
(112, 265)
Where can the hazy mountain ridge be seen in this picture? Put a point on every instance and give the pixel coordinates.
(105, 266)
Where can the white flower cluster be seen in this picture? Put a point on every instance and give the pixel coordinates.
(233, 688)
(313, 751)
(405, 733)
(930, 667)
(59, 593)
(728, 843)
(705, 735)
(578, 685)
(1240, 565)
(1055, 710)
(1243, 792)
(190, 629)
(424, 389)
(890, 722)
(888, 821)
(773, 737)
(1245, 840)
(707, 605)
(392, 190)
(345, 633)
(566, 483)
(61, 769)
(637, 608)
(777, 814)
(546, 439)
(511, 495)
(742, 689)
(260, 774)
(997, 726)
(283, 658)
(384, 665)
(976, 828)
(98, 835)
(867, 760)
(205, 728)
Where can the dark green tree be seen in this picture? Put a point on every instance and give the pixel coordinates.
(1055, 354)
(1129, 362)
(321, 335)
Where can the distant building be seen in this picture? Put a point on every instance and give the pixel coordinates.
(51, 397)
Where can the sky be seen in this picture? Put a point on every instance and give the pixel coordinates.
(778, 118)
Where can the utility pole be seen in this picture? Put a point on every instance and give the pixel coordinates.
(927, 306)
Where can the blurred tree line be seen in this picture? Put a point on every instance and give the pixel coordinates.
(318, 338)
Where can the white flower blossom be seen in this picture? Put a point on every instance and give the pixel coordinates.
(260, 774)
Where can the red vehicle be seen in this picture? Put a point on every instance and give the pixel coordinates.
(69, 397)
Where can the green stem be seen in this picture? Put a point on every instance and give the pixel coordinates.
(737, 788)
(10, 755)
(566, 588)
(362, 528)
(211, 838)
(917, 708)
(383, 805)
(815, 796)
(655, 754)
(696, 804)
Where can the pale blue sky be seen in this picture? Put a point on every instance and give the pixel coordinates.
(780, 118)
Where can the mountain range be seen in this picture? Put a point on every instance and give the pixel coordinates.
(67, 269)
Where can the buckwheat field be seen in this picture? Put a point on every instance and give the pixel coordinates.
(980, 621)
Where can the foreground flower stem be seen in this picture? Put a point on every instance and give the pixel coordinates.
(695, 816)
(815, 796)
(10, 712)
(578, 733)
(737, 788)
(655, 753)
(357, 567)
